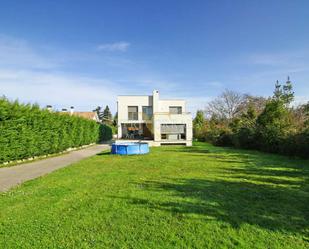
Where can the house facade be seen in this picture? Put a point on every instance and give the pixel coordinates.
(155, 120)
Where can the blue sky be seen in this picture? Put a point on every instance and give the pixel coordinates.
(85, 53)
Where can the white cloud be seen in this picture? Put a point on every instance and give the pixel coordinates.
(299, 100)
(58, 90)
(116, 46)
(291, 59)
(33, 74)
(18, 53)
(215, 84)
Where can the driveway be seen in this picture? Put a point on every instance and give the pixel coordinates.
(12, 176)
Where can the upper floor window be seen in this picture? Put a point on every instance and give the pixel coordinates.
(147, 112)
(132, 112)
(175, 109)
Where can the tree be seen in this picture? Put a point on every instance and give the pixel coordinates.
(107, 116)
(278, 91)
(199, 119)
(115, 120)
(288, 94)
(257, 103)
(275, 122)
(99, 112)
(198, 124)
(244, 129)
(226, 106)
(284, 92)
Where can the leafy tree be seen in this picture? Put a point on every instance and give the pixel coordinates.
(305, 108)
(274, 123)
(198, 124)
(244, 128)
(199, 120)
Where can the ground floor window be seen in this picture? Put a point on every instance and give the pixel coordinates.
(173, 132)
(140, 131)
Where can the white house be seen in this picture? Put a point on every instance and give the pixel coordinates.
(154, 120)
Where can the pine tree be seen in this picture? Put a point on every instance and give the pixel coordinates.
(288, 94)
(107, 116)
(284, 93)
(99, 112)
(277, 91)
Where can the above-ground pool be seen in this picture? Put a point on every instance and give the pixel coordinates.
(130, 148)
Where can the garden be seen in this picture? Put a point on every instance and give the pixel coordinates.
(175, 197)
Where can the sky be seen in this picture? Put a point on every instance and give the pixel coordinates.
(85, 53)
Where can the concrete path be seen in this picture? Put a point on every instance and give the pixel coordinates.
(12, 176)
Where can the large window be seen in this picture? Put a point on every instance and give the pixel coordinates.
(147, 112)
(132, 112)
(175, 109)
(173, 132)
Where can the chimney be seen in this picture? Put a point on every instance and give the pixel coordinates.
(155, 101)
(71, 110)
(49, 108)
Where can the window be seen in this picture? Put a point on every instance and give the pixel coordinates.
(147, 112)
(173, 132)
(132, 112)
(175, 109)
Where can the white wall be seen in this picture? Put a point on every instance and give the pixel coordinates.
(165, 104)
(125, 101)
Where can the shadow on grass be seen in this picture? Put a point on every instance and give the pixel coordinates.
(104, 153)
(263, 190)
(250, 188)
(236, 203)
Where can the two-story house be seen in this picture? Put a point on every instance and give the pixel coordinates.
(154, 120)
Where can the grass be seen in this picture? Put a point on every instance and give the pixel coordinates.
(174, 197)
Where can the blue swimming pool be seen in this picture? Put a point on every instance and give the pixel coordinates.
(130, 148)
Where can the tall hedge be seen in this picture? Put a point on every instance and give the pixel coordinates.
(28, 131)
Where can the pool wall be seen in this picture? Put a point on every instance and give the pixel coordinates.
(130, 148)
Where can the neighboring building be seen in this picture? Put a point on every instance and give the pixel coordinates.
(150, 118)
(87, 115)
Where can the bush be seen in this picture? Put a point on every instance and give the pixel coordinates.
(245, 138)
(28, 131)
(106, 132)
(224, 139)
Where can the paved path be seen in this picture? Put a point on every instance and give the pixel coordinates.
(12, 176)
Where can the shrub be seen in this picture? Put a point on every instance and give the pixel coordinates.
(106, 132)
(27, 131)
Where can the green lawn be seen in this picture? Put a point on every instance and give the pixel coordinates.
(175, 197)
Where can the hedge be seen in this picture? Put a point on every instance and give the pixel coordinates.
(28, 131)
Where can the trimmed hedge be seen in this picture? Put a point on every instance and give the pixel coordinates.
(28, 131)
(106, 132)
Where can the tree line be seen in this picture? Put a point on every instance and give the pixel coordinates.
(27, 130)
(253, 122)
